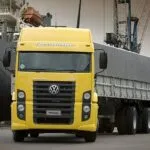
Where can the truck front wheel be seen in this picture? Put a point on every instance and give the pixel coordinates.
(18, 136)
(90, 136)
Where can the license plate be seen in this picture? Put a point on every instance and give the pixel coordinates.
(53, 113)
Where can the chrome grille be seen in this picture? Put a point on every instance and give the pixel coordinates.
(44, 101)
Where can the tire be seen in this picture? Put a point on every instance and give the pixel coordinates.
(131, 120)
(139, 124)
(100, 126)
(90, 136)
(105, 126)
(79, 135)
(146, 120)
(127, 120)
(101, 129)
(18, 136)
(109, 128)
(34, 135)
(120, 121)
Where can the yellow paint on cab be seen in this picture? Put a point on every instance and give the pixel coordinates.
(50, 39)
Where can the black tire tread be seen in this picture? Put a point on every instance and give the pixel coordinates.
(124, 120)
(145, 120)
(18, 136)
(90, 136)
(130, 114)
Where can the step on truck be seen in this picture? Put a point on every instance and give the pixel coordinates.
(54, 88)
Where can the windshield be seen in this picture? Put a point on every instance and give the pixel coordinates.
(54, 62)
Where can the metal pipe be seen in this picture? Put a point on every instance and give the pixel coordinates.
(79, 15)
(129, 26)
(10, 6)
(116, 26)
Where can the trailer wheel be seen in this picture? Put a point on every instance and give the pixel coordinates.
(100, 126)
(90, 136)
(18, 136)
(127, 120)
(79, 135)
(146, 120)
(109, 128)
(120, 121)
(131, 120)
(139, 123)
(105, 126)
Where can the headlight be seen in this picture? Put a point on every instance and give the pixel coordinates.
(87, 96)
(21, 108)
(21, 94)
(86, 109)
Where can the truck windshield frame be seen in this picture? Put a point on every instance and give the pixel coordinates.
(62, 62)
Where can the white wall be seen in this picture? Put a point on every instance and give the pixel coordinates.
(96, 15)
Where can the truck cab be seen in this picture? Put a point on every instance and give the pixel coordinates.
(54, 83)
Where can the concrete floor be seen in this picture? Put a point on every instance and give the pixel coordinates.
(69, 142)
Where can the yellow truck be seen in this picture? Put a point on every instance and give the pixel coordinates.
(54, 83)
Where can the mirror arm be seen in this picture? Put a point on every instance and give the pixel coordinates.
(11, 49)
(100, 50)
(10, 70)
(95, 76)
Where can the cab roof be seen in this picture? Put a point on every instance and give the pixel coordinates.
(58, 34)
(55, 39)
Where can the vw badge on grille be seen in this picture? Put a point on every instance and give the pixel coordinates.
(54, 89)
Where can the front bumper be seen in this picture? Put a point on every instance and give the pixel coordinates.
(77, 125)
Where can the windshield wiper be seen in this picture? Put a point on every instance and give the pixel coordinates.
(36, 69)
(50, 70)
(69, 70)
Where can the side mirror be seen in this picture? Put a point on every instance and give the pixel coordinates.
(103, 60)
(7, 58)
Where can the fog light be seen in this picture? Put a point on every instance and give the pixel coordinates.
(21, 94)
(20, 108)
(21, 116)
(86, 109)
(86, 117)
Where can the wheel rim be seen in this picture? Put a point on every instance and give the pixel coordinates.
(148, 120)
(134, 122)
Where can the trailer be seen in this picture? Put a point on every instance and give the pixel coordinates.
(123, 91)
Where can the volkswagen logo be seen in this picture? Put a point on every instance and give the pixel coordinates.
(54, 89)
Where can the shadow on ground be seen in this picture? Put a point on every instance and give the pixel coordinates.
(64, 138)
(59, 139)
